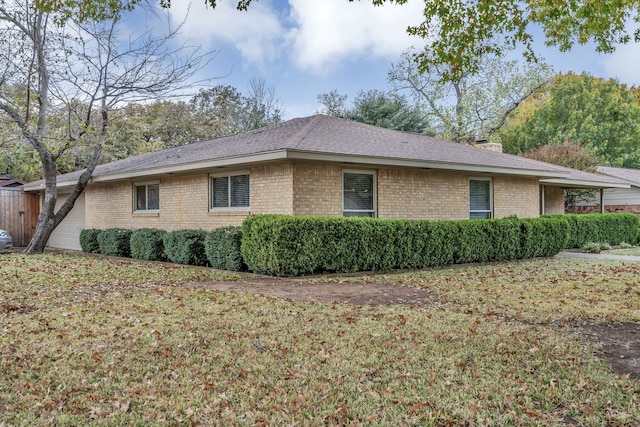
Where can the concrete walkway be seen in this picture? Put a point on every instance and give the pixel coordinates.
(568, 254)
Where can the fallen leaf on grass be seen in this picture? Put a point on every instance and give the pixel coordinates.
(532, 412)
(121, 406)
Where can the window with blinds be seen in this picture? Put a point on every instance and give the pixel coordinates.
(146, 197)
(358, 194)
(230, 191)
(480, 198)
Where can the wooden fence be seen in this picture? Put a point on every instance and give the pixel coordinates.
(18, 214)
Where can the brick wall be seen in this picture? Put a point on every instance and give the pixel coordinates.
(184, 201)
(635, 209)
(553, 200)
(304, 189)
(317, 190)
(410, 194)
(109, 205)
(516, 196)
(272, 189)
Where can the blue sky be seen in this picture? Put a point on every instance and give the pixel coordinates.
(306, 47)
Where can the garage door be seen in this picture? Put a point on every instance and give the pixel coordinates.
(67, 234)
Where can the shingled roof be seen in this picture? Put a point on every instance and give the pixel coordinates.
(325, 138)
(632, 176)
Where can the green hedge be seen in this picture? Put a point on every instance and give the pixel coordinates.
(290, 246)
(222, 247)
(115, 242)
(148, 244)
(543, 237)
(481, 240)
(186, 247)
(89, 240)
(611, 228)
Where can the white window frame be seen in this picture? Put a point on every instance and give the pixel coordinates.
(228, 175)
(490, 211)
(375, 192)
(146, 185)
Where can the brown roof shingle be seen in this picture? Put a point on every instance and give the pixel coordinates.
(631, 176)
(325, 135)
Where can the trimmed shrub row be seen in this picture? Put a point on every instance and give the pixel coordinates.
(219, 248)
(290, 246)
(611, 228)
(222, 247)
(148, 244)
(115, 242)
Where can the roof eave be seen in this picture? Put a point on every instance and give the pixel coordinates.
(183, 167)
(574, 183)
(422, 164)
(283, 154)
(631, 182)
(196, 166)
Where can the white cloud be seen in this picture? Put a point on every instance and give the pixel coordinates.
(624, 64)
(254, 33)
(317, 36)
(330, 31)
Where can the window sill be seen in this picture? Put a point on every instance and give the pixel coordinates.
(229, 212)
(146, 213)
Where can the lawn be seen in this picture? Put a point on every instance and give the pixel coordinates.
(101, 341)
(633, 251)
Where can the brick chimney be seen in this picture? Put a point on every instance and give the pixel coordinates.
(492, 146)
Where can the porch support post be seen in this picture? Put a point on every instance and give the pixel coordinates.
(602, 200)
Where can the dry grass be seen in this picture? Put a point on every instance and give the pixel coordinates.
(540, 291)
(115, 342)
(632, 251)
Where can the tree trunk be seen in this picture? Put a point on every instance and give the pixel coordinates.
(41, 235)
(49, 219)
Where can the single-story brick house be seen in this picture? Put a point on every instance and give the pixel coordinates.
(615, 199)
(317, 165)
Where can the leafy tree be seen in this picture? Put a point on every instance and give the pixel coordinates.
(473, 105)
(70, 76)
(462, 32)
(603, 115)
(210, 113)
(568, 154)
(219, 110)
(377, 108)
(223, 110)
(154, 126)
(571, 155)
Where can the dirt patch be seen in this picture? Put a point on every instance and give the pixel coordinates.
(301, 291)
(619, 343)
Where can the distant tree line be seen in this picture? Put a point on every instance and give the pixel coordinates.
(137, 128)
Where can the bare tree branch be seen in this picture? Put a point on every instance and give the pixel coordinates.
(72, 77)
